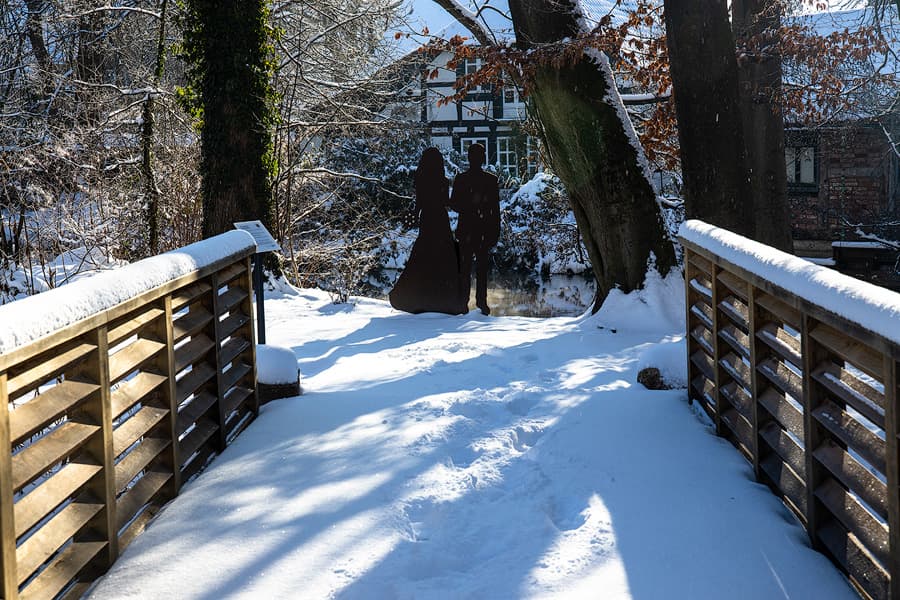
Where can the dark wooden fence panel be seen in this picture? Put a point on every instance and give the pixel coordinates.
(810, 399)
(110, 415)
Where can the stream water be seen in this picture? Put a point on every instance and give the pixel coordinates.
(513, 294)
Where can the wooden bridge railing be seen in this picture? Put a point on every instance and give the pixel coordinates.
(798, 367)
(109, 414)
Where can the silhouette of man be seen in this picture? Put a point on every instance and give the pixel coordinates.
(476, 197)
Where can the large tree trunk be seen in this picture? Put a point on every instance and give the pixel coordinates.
(228, 43)
(759, 76)
(595, 154)
(710, 130)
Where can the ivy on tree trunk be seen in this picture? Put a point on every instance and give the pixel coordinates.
(228, 44)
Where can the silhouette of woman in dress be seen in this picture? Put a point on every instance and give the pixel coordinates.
(430, 280)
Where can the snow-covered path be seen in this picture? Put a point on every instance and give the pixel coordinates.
(475, 457)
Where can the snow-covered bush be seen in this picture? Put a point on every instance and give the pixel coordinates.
(539, 233)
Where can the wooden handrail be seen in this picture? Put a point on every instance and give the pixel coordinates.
(111, 413)
(807, 394)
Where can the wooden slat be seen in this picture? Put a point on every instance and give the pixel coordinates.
(187, 385)
(137, 460)
(193, 441)
(230, 299)
(852, 391)
(37, 458)
(197, 407)
(737, 339)
(736, 312)
(139, 495)
(48, 367)
(703, 314)
(232, 349)
(192, 352)
(62, 570)
(136, 527)
(701, 287)
(235, 374)
(134, 325)
(734, 283)
(197, 462)
(41, 411)
(132, 357)
(857, 562)
(785, 447)
(739, 399)
(700, 262)
(741, 428)
(704, 363)
(736, 368)
(854, 476)
(789, 416)
(852, 433)
(855, 518)
(130, 392)
(705, 388)
(779, 340)
(784, 312)
(866, 359)
(227, 274)
(239, 421)
(787, 481)
(189, 294)
(232, 323)
(137, 426)
(703, 338)
(235, 398)
(782, 377)
(191, 323)
(64, 484)
(37, 549)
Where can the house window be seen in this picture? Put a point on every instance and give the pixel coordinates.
(506, 156)
(464, 144)
(511, 95)
(801, 165)
(470, 66)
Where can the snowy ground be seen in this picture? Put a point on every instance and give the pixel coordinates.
(475, 457)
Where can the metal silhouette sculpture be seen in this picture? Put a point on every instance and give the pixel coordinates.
(476, 197)
(430, 281)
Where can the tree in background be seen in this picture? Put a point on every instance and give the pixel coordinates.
(590, 142)
(230, 54)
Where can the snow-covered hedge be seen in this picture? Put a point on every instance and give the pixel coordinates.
(874, 308)
(26, 320)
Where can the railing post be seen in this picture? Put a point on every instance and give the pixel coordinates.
(812, 354)
(754, 346)
(892, 430)
(247, 308)
(8, 587)
(166, 333)
(688, 340)
(101, 446)
(717, 345)
(217, 348)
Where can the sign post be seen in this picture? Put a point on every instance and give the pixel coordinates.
(264, 243)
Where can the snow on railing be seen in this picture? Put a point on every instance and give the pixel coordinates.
(797, 365)
(119, 387)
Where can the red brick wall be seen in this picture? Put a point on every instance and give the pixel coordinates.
(853, 183)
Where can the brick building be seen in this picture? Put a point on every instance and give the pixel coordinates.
(839, 177)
